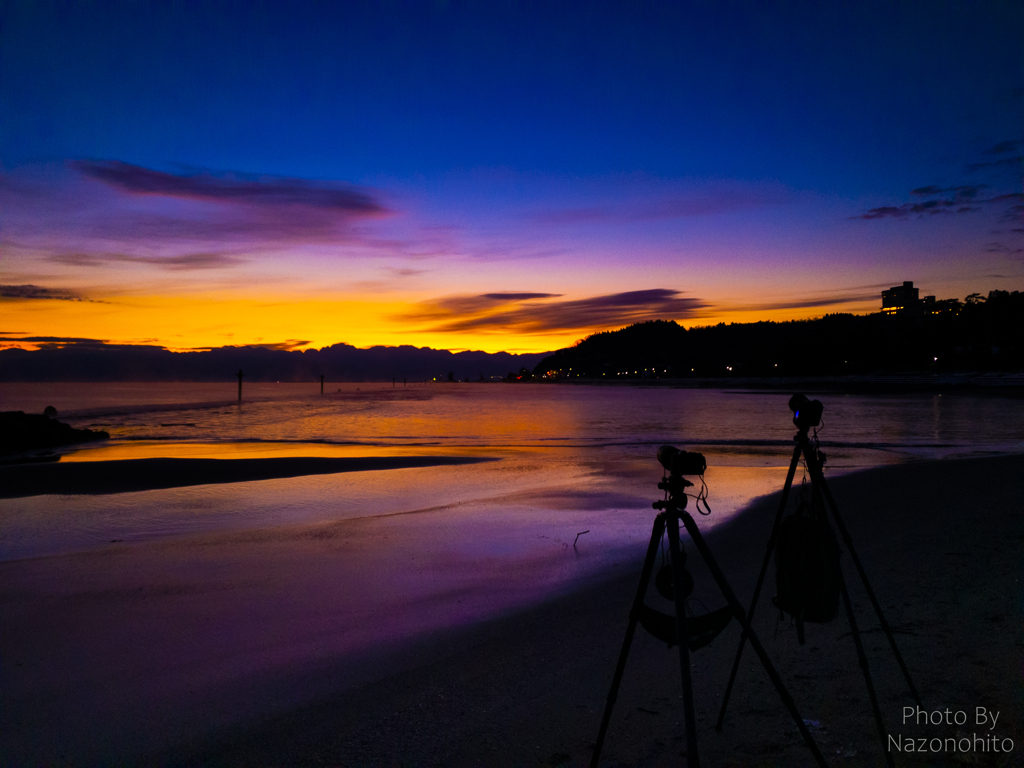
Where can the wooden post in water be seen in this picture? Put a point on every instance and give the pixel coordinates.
(240, 375)
(321, 384)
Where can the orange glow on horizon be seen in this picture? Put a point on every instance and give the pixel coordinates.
(188, 323)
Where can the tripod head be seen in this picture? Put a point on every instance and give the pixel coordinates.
(676, 464)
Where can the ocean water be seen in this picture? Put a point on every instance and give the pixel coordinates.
(222, 604)
(570, 458)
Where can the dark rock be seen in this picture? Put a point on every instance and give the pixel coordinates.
(20, 431)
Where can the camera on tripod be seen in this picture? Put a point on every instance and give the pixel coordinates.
(677, 462)
(806, 412)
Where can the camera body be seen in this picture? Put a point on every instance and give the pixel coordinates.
(677, 462)
(806, 412)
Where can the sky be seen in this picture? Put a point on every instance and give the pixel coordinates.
(497, 176)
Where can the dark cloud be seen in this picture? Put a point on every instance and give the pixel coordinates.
(229, 188)
(56, 341)
(1001, 248)
(535, 315)
(965, 192)
(1006, 162)
(822, 301)
(286, 346)
(520, 296)
(1014, 212)
(964, 200)
(1003, 147)
(929, 208)
(182, 262)
(37, 292)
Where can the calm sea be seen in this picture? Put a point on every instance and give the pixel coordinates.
(566, 503)
(572, 458)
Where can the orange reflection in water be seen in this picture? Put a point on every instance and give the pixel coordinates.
(160, 450)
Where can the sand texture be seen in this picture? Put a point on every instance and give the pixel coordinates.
(203, 651)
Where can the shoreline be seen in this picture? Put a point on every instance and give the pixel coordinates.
(131, 475)
(530, 688)
(998, 384)
(526, 688)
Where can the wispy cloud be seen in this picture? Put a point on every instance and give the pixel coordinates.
(259, 191)
(89, 212)
(958, 200)
(997, 247)
(707, 202)
(519, 296)
(182, 262)
(928, 208)
(11, 339)
(539, 313)
(38, 292)
(962, 193)
(1002, 148)
(1005, 162)
(810, 303)
(1005, 146)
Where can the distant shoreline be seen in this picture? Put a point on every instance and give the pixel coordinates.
(989, 383)
(994, 380)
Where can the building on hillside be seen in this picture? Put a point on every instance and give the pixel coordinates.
(904, 300)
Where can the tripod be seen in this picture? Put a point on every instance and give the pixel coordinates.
(688, 633)
(808, 415)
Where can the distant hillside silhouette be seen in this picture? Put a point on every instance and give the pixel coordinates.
(95, 361)
(977, 334)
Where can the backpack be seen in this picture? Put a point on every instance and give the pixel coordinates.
(807, 569)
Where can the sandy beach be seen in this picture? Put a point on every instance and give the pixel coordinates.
(269, 648)
(128, 475)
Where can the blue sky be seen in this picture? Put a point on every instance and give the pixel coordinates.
(759, 160)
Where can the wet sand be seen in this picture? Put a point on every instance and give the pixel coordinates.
(129, 475)
(246, 648)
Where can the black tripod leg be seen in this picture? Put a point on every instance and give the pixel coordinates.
(634, 617)
(818, 478)
(678, 564)
(862, 658)
(760, 581)
(737, 609)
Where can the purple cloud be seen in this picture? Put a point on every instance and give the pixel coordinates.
(230, 188)
(823, 301)
(79, 213)
(536, 315)
(708, 203)
(182, 262)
